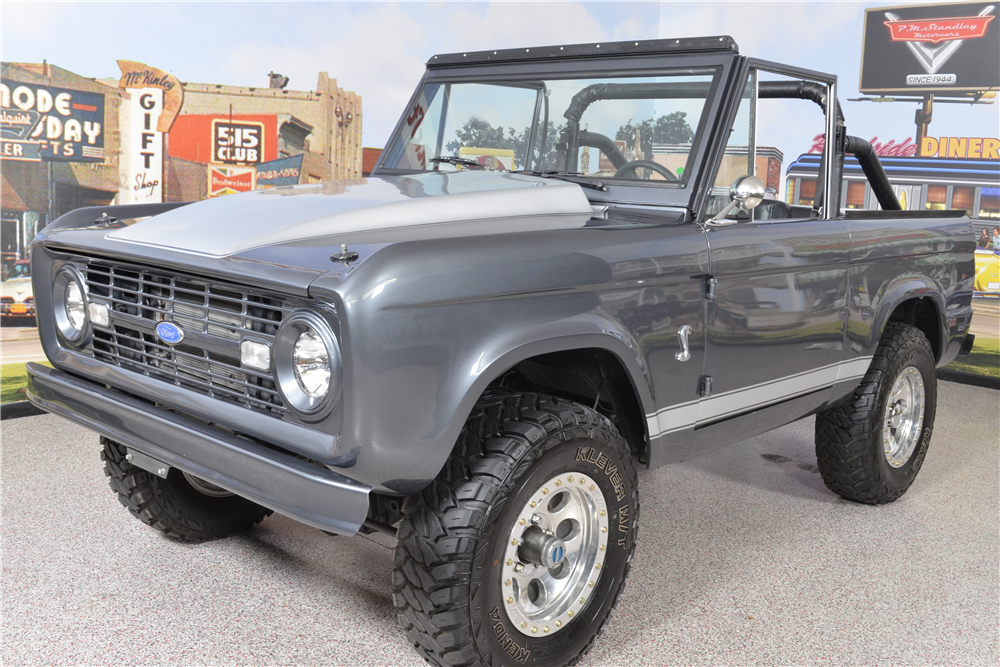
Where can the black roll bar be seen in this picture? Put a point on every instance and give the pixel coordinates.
(874, 172)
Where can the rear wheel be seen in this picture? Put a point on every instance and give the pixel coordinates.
(181, 506)
(518, 551)
(870, 448)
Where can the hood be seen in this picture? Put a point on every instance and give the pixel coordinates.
(451, 203)
(19, 288)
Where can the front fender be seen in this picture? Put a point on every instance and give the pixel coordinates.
(405, 440)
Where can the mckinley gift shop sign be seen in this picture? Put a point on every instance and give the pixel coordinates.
(45, 123)
(155, 99)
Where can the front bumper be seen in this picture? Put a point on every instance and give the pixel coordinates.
(17, 310)
(284, 483)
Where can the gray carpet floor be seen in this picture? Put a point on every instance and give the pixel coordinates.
(744, 557)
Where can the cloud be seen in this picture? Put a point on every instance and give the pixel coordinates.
(379, 49)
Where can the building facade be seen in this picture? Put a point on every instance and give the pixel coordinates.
(68, 141)
(59, 148)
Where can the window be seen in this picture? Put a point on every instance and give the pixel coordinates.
(736, 159)
(807, 191)
(594, 126)
(937, 198)
(989, 203)
(855, 194)
(962, 198)
(786, 126)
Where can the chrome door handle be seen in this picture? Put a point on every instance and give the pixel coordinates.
(682, 340)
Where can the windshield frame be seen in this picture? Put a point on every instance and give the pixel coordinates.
(721, 66)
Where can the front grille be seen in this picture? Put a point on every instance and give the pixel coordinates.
(214, 317)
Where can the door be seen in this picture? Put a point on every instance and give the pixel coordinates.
(657, 297)
(775, 326)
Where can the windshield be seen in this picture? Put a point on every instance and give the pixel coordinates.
(19, 271)
(612, 128)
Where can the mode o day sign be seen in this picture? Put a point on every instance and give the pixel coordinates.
(46, 123)
(948, 49)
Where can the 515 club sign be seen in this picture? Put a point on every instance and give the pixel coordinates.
(237, 142)
(948, 49)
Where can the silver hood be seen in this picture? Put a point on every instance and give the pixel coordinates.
(454, 203)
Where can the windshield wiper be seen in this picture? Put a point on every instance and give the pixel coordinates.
(561, 175)
(465, 162)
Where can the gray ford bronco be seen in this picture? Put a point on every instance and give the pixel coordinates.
(566, 265)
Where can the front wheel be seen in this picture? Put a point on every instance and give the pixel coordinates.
(870, 448)
(182, 506)
(517, 552)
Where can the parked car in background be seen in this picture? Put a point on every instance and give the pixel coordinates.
(16, 296)
(987, 272)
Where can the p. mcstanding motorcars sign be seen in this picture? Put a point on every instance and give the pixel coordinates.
(949, 49)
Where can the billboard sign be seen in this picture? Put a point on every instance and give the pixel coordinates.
(947, 49)
(285, 171)
(45, 123)
(237, 142)
(228, 180)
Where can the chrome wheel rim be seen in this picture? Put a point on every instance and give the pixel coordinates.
(206, 488)
(554, 554)
(904, 417)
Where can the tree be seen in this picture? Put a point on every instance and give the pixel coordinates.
(477, 132)
(668, 129)
(480, 134)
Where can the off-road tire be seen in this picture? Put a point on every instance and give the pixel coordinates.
(447, 581)
(849, 450)
(172, 505)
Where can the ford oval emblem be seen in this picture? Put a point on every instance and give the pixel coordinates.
(169, 333)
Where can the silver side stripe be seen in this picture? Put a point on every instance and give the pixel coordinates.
(687, 415)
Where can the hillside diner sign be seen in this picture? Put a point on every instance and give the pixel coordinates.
(975, 148)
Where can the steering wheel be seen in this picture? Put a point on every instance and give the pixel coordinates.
(631, 167)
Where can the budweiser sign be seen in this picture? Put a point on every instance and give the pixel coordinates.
(227, 180)
(938, 30)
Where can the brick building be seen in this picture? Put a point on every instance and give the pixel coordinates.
(69, 141)
(48, 164)
(324, 125)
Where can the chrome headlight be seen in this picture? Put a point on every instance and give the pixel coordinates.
(311, 363)
(307, 362)
(70, 304)
(76, 306)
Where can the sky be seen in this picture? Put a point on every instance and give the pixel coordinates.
(378, 49)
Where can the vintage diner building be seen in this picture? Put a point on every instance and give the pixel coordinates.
(951, 173)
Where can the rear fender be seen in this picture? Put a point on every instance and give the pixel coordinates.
(898, 293)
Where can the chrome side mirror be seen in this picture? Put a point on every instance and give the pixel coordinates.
(746, 193)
